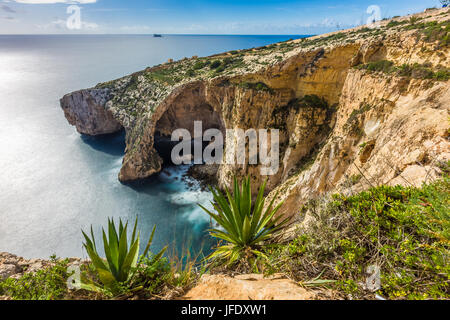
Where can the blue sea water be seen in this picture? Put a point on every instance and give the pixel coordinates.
(55, 182)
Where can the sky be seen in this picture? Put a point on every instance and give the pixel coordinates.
(194, 16)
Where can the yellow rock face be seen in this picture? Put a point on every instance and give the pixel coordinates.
(248, 287)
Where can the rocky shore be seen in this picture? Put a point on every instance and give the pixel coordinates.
(12, 266)
(206, 175)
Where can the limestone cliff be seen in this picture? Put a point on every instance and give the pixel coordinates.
(355, 108)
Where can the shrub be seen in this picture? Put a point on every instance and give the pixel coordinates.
(353, 121)
(46, 284)
(259, 86)
(227, 61)
(433, 31)
(395, 23)
(199, 65)
(442, 75)
(244, 225)
(314, 101)
(405, 231)
(417, 71)
(383, 66)
(215, 64)
(414, 20)
(190, 73)
(420, 72)
(220, 69)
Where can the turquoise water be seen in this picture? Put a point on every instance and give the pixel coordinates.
(54, 182)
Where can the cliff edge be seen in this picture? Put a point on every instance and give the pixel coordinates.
(355, 108)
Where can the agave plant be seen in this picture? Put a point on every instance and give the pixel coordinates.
(244, 225)
(121, 259)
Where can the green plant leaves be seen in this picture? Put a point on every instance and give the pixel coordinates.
(244, 224)
(122, 257)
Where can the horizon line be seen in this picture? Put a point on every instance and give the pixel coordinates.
(151, 34)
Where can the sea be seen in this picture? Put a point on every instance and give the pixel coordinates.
(55, 182)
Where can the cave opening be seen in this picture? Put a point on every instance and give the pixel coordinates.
(183, 116)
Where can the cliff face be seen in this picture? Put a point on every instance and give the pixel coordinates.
(354, 108)
(85, 109)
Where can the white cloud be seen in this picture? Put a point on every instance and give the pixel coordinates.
(136, 28)
(54, 1)
(61, 24)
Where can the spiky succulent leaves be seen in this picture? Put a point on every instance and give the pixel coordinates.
(104, 273)
(121, 259)
(244, 224)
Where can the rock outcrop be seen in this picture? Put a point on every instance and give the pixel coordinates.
(85, 110)
(355, 108)
(251, 287)
(12, 266)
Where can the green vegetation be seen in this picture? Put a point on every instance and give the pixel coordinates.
(174, 73)
(395, 23)
(306, 102)
(148, 277)
(415, 71)
(134, 81)
(326, 40)
(215, 64)
(245, 224)
(404, 231)
(258, 86)
(353, 180)
(121, 259)
(353, 121)
(201, 64)
(382, 65)
(414, 20)
(164, 74)
(46, 284)
(433, 31)
(313, 101)
(227, 63)
(190, 73)
(442, 75)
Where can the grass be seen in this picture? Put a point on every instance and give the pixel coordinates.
(166, 75)
(404, 231)
(46, 284)
(415, 71)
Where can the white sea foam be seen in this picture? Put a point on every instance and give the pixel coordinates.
(192, 198)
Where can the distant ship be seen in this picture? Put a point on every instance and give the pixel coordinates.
(157, 36)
